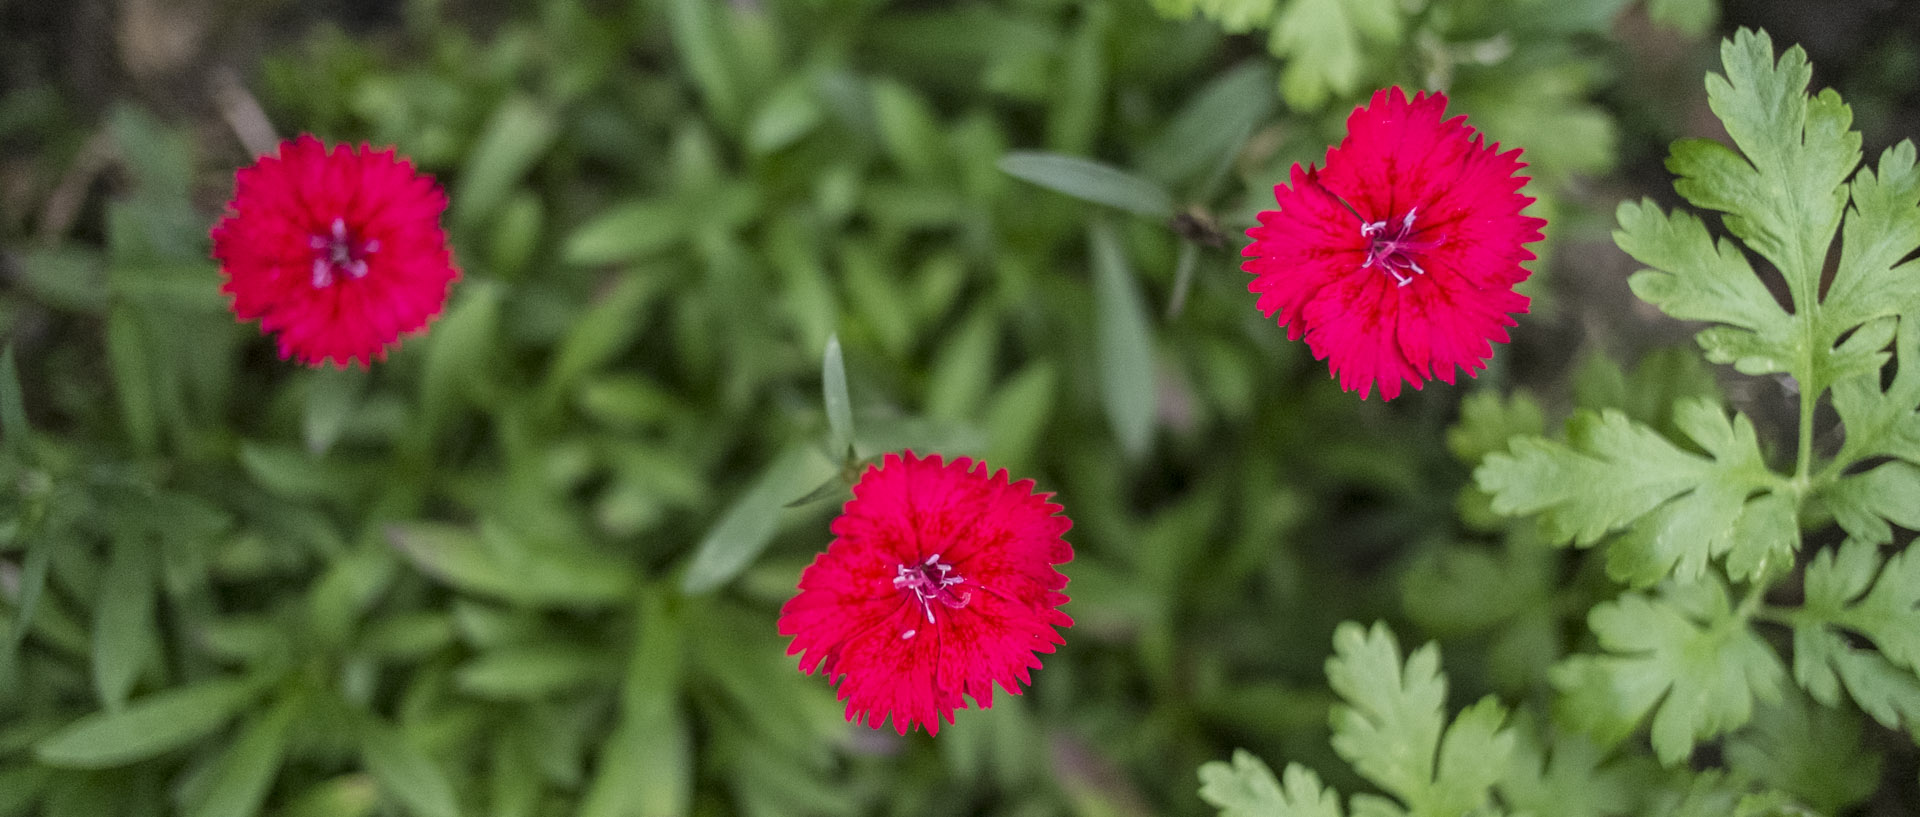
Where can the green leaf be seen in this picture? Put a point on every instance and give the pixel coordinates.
(1782, 193)
(607, 328)
(1247, 789)
(14, 431)
(1212, 125)
(1017, 417)
(700, 35)
(1811, 752)
(963, 368)
(750, 522)
(1882, 423)
(627, 232)
(405, 773)
(1875, 278)
(1235, 16)
(1864, 503)
(1838, 595)
(243, 776)
(130, 357)
(514, 138)
(909, 129)
(333, 395)
(1390, 727)
(1089, 180)
(1694, 279)
(1684, 651)
(647, 765)
(124, 638)
(1125, 344)
(1488, 421)
(1824, 663)
(1613, 472)
(833, 393)
(498, 564)
(1575, 781)
(789, 114)
(149, 727)
(1690, 17)
(1323, 41)
(531, 671)
(462, 356)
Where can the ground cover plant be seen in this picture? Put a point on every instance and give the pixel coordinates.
(1021, 408)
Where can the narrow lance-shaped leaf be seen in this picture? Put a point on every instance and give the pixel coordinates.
(406, 774)
(1090, 181)
(13, 410)
(148, 727)
(1125, 339)
(833, 389)
(514, 138)
(750, 522)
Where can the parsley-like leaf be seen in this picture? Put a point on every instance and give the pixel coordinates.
(1246, 788)
(1575, 781)
(1851, 589)
(1322, 41)
(1883, 423)
(1684, 651)
(1811, 752)
(1612, 472)
(1390, 729)
(1233, 16)
(1783, 195)
(1488, 421)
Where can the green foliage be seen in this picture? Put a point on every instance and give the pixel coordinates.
(1247, 789)
(1685, 651)
(716, 255)
(1687, 659)
(1684, 509)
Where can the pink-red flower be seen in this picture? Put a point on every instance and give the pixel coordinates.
(337, 253)
(939, 584)
(1397, 260)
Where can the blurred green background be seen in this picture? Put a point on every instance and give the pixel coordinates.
(530, 564)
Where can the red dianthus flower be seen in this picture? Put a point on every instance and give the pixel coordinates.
(939, 583)
(337, 253)
(1398, 260)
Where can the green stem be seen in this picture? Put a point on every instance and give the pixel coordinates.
(1804, 466)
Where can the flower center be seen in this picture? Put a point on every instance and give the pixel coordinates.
(338, 253)
(1393, 248)
(930, 581)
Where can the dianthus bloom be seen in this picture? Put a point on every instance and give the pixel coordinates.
(1397, 261)
(337, 253)
(939, 583)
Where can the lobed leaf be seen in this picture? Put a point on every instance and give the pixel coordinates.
(1684, 652)
(1246, 788)
(1684, 509)
(1390, 727)
(1783, 193)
